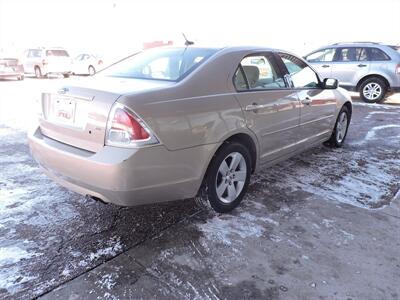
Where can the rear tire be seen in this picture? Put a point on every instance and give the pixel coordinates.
(227, 177)
(38, 72)
(340, 130)
(91, 70)
(373, 90)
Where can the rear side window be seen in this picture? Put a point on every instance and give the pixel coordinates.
(351, 54)
(257, 72)
(56, 52)
(376, 54)
(325, 55)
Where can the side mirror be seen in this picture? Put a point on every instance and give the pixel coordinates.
(330, 83)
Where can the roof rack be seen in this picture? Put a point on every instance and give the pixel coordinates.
(362, 42)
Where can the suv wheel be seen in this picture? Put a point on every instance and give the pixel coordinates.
(38, 72)
(373, 90)
(228, 177)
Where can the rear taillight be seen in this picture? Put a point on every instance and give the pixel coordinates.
(125, 129)
(398, 69)
(100, 62)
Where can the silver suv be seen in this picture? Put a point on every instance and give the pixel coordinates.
(46, 61)
(372, 69)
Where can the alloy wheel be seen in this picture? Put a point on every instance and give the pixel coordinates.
(341, 127)
(372, 91)
(231, 177)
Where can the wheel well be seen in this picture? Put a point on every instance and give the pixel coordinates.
(243, 139)
(371, 76)
(246, 141)
(349, 107)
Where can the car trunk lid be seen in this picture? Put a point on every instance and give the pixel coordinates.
(76, 114)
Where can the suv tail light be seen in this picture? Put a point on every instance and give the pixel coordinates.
(125, 129)
(398, 69)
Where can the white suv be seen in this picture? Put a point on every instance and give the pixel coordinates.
(372, 69)
(45, 61)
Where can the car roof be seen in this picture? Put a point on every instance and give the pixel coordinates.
(226, 49)
(352, 44)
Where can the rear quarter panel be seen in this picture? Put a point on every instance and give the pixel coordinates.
(185, 122)
(201, 109)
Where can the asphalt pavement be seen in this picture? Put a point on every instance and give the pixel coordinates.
(322, 225)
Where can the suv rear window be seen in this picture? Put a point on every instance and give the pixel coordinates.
(377, 54)
(57, 52)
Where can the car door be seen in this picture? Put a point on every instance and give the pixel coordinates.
(271, 108)
(377, 59)
(349, 65)
(317, 105)
(322, 61)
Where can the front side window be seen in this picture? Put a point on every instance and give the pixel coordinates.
(169, 64)
(325, 55)
(301, 74)
(257, 72)
(376, 54)
(35, 53)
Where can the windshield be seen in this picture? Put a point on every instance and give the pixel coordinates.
(170, 64)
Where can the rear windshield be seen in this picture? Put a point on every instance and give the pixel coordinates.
(57, 52)
(171, 64)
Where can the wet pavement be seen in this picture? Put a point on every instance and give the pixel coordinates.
(324, 224)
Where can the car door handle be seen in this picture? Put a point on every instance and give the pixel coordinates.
(325, 66)
(362, 65)
(306, 101)
(254, 107)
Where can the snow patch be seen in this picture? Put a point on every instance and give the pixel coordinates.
(107, 281)
(112, 250)
(225, 229)
(13, 254)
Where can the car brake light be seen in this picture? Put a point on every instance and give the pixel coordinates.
(398, 69)
(100, 62)
(125, 129)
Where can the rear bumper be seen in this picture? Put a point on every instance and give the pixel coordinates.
(123, 176)
(14, 72)
(53, 70)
